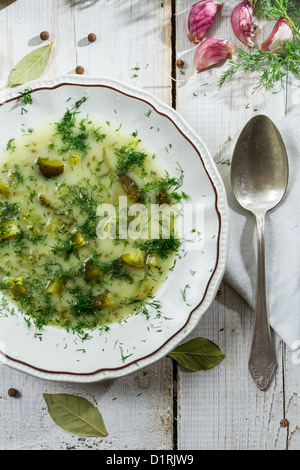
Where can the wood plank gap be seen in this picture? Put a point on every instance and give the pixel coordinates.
(175, 406)
(283, 349)
(283, 359)
(173, 55)
(174, 105)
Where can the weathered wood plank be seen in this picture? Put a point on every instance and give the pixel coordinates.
(221, 408)
(137, 409)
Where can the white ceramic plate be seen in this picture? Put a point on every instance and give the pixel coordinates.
(62, 356)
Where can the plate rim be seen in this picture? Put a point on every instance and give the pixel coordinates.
(221, 207)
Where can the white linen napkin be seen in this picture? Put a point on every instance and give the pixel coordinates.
(282, 243)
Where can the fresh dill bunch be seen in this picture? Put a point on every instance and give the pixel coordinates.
(272, 68)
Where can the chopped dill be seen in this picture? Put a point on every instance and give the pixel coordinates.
(25, 97)
(168, 184)
(163, 247)
(73, 136)
(9, 210)
(11, 146)
(129, 159)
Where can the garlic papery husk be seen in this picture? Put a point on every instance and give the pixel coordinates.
(241, 18)
(281, 32)
(201, 17)
(212, 52)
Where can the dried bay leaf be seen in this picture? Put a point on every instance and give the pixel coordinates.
(197, 354)
(31, 66)
(75, 415)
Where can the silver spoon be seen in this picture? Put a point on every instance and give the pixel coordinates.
(259, 177)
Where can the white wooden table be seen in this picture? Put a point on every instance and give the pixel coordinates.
(167, 408)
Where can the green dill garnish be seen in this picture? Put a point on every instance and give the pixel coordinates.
(114, 269)
(183, 293)
(123, 357)
(129, 159)
(17, 175)
(98, 136)
(73, 135)
(9, 210)
(83, 303)
(142, 306)
(11, 146)
(65, 248)
(224, 162)
(136, 68)
(25, 97)
(167, 185)
(84, 198)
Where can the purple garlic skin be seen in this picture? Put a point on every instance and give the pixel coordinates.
(212, 52)
(201, 17)
(241, 18)
(281, 32)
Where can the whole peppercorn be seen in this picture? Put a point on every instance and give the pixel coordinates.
(44, 35)
(179, 63)
(284, 423)
(92, 37)
(12, 392)
(79, 70)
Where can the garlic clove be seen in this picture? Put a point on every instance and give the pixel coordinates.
(212, 52)
(201, 17)
(241, 18)
(282, 31)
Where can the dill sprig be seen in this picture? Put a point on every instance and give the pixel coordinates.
(74, 137)
(25, 96)
(129, 159)
(272, 68)
(275, 9)
(163, 247)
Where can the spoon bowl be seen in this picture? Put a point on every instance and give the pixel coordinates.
(259, 169)
(259, 178)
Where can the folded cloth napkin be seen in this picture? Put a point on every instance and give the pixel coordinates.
(282, 243)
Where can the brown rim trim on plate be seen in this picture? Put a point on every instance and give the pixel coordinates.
(106, 369)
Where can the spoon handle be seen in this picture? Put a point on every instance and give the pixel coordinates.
(262, 359)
